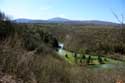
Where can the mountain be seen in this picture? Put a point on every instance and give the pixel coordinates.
(52, 20)
(22, 20)
(58, 19)
(65, 21)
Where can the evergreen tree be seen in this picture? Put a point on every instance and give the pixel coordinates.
(100, 60)
(66, 56)
(83, 57)
(89, 60)
(75, 56)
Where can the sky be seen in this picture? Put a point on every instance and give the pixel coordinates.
(70, 9)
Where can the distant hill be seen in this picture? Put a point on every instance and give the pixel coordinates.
(58, 19)
(23, 20)
(66, 21)
(93, 22)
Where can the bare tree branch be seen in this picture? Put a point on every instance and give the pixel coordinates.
(116, 16)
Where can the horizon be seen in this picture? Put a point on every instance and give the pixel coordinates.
(72, 9)
(61, 18)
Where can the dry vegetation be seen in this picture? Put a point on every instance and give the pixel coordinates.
(27, 55)
(91, 39)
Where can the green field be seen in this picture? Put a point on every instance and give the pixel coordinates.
(94, 60)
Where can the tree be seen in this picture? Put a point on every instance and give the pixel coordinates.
(55, 43)
(3, 17)
(66, 56)
(121, 36)
(83, 56)
(80, 61)
(100, 60)
(6, 27)
(105, 59)
(89, 60)
(75, 56)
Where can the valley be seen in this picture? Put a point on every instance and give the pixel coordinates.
(61, 52)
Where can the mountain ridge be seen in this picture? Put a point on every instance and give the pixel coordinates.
(58, 19)
(64, 20)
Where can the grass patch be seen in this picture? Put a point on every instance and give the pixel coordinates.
(69, 56)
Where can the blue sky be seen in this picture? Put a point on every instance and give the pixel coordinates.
(71, 9)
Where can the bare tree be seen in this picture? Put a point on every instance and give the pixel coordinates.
(3, 17)
(121, 34)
